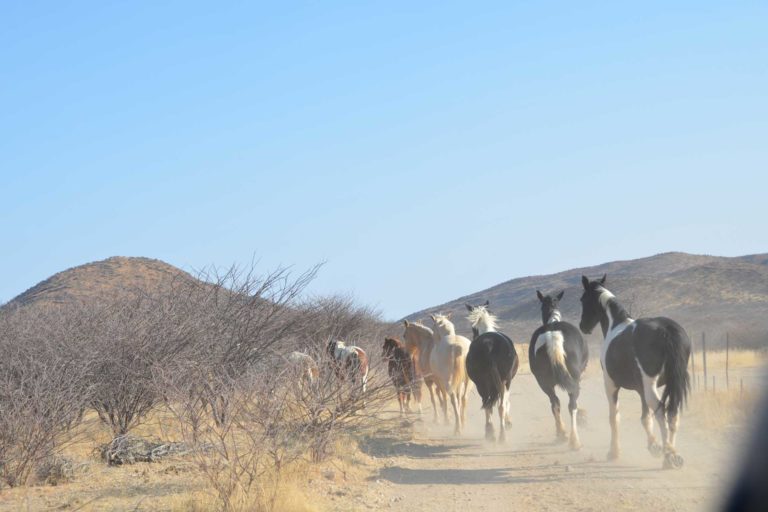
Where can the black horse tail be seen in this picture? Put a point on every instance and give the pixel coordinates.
(676, 378)
(496, 389)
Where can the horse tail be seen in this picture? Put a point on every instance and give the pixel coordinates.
(496, 389)
(556, 353)
(676, 378)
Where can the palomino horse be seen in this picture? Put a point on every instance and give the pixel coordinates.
(349, 362)
(400, 368)
(491, 364)
(640, 355)
(558, 356)
(419, 341)
(305, 366)
(448, 364)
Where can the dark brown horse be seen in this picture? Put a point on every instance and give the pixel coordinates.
(402, 370)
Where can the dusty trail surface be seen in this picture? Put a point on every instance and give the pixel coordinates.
(439, 472)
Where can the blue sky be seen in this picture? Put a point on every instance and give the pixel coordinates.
(423, 150)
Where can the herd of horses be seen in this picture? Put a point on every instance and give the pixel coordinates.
(643, 355)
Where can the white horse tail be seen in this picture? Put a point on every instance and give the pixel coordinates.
(556, 354)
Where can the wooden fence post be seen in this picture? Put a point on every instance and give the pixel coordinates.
(727, 353)
(704, 355)
(693, 368)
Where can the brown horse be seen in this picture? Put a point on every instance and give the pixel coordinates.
(400, 366)
(419, 340)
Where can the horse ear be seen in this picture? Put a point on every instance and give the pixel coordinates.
(448, 315)
(433, 318)
(602, 281)
(585, 282)
(487, 303)
(539, 295)
(560, 295)
(468, 306)
(405, 323)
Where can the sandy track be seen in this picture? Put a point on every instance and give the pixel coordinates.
(437, 471)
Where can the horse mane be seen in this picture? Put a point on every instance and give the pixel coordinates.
(480, 314)
(421, 327)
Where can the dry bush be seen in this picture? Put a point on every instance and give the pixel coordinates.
(43, 390)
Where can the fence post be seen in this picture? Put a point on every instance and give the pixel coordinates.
(704, 354)
(727, 353)
(693, 368)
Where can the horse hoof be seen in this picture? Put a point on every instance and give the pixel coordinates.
(672, 461)
(575, 445)
(561, 437)
(612, 455)
(655, 449)
(502, 438)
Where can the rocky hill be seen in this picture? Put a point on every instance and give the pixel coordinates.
(100, 280)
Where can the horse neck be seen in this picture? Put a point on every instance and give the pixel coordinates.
(555, 316)
(613, 314)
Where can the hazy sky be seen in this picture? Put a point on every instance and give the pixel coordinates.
(425, 151)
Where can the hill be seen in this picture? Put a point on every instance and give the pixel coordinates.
(704, 293)
(100, 280)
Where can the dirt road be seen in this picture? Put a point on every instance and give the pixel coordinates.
(439, 472)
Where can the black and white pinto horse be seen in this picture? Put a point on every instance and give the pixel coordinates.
(491, 363)
(641, 355)
(558, 356)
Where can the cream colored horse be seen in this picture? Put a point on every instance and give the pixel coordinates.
(447, 362)
(419, 340)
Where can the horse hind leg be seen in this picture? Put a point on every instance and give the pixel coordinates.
(490, 435)
(574, 441)
(555, 406)
(503, 414)
(652, 396)
(456, 413)
(672, 459)
(464, 401)
(612, 393)
(647, 420)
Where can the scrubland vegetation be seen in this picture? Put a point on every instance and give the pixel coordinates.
(199, 363)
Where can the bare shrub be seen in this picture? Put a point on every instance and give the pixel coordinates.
(43, 390)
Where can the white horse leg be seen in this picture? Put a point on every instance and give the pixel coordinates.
(444, 402)
(430, 387)
(490, 435)
(456, 412)
(502, 416)
(653, 399)
(464, 401)
(647, 421)
(507, 418)
(612, 393)
(574, 442)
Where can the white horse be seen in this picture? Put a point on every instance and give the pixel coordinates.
(447, 362)
(304, 366)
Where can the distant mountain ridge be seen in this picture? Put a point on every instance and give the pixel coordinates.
(704, 293)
